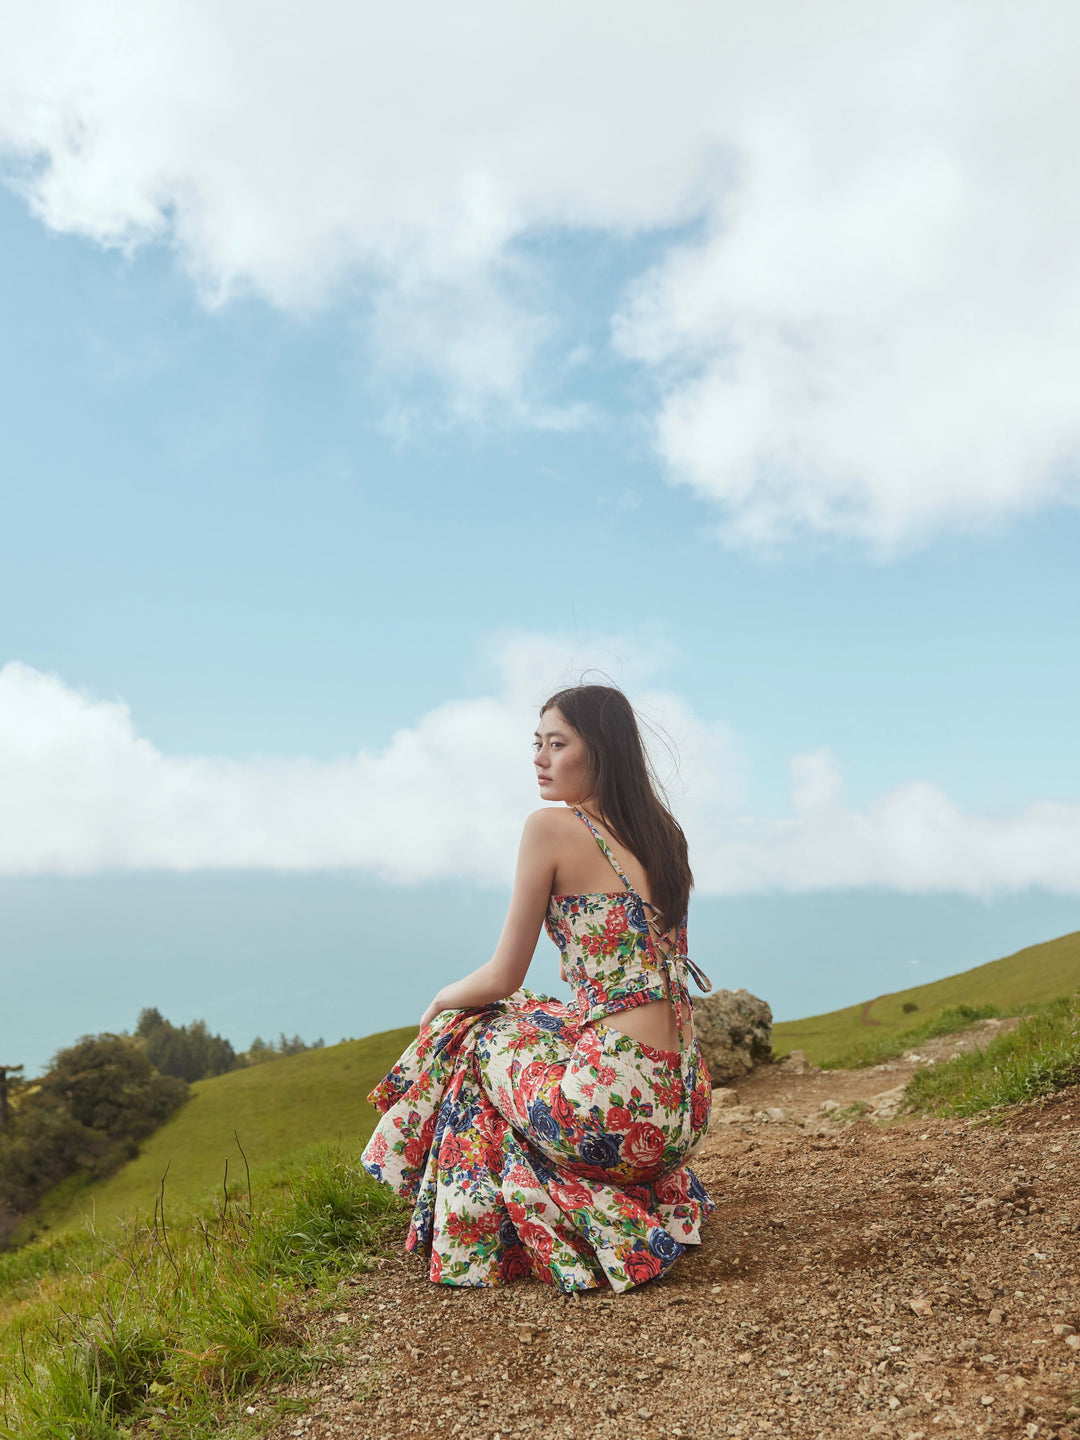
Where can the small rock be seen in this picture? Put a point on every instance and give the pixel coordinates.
(987, 1400)
(906, 1412)
(886, 1104)
(733, 1114)
(744, 1358)
(827, 1105)
(1073, 1342)
(723, 1096)
(986, 1203)
(774, 1113)
(1064, 1329)
(645, 1414)
(922, 1305)
(995, 1317)
(342, 1319)
(970, 1345)
(796, 1063)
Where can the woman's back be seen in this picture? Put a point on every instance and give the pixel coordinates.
(587, 879)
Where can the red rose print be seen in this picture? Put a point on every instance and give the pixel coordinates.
(515, 1264)
(532, 1077)
(516, 1212)
(699, 1109)
(493, 1159)
(436, 1266)
(606, 1074)
(450, 1153)
(641, 1266)
(589, 1046)
(377, 1149)
(538, 1238)
(491, 1125)
(564, 1113)
(644, 1144)
(619, 1118)
(518, 1175)
(570, 1196)
(414, 1152)
(427, 1134)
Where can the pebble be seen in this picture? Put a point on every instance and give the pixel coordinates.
(865, 1274)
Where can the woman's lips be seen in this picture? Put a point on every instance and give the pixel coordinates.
(544, 779)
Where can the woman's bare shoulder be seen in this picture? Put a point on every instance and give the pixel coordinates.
(552, 821)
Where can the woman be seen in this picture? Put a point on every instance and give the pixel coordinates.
(537, 1137)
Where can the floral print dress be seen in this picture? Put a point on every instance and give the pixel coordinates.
(535, 1139)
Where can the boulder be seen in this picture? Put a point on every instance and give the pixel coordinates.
(734, 1029)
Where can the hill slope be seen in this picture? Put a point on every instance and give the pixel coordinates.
(1031, 976)
(278, 1109)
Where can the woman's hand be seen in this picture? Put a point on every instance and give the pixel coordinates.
(435, 1008)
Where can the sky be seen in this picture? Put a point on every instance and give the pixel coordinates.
(367, 375)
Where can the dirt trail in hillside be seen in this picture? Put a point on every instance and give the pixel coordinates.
(903, 1280)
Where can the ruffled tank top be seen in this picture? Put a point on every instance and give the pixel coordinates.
(615, 954)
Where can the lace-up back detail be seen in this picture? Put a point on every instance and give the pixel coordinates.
(607, 945)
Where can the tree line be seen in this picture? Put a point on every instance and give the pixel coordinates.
(101, 1096)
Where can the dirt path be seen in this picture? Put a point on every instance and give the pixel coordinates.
(906, 1280)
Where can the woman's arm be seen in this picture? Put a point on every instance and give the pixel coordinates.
(506, 969)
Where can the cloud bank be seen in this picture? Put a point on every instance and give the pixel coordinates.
(865, 317)
(84, 792)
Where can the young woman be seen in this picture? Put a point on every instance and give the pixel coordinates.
(537, 1137)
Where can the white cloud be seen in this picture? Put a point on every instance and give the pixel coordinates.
(84, 792)
(874, 332)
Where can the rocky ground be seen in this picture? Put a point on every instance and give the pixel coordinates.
(864, 1277)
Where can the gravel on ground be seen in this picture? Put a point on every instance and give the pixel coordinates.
(860, 1277)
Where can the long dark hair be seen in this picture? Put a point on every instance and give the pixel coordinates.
(625, 792)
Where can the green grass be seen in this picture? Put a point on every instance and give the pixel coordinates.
(886, 1044)
(155, 1307)
(279, 1109)
(1030, 977)
(1040, 1056)
(163, 1328)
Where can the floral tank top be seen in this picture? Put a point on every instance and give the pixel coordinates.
(608, 947)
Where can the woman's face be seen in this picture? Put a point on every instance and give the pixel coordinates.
(561, 760)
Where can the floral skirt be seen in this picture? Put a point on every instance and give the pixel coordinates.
(531, 1145)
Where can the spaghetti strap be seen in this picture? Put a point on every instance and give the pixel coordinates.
(606, 848)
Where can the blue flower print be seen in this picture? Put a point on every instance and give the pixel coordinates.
(543, 1122)
(554, 1023)
(635, 913)
(599, 1149)
(663, 1245)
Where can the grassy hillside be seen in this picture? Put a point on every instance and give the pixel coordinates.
(278, 1109)
(1032, 976)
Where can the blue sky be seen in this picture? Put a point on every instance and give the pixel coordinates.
(285, 496)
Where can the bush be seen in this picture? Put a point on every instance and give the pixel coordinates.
(107, 1083)
(85, 1115)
